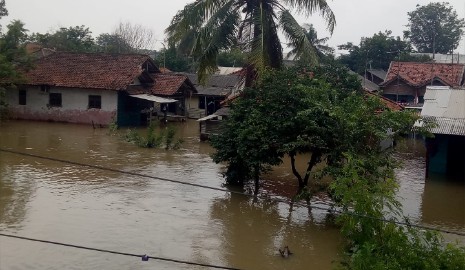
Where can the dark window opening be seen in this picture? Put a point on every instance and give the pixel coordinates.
(22, 97)
(54, 100)
(201, 102)
(95, 102)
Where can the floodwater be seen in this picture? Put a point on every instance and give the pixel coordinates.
(103, 209)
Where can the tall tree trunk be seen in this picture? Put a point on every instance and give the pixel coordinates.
(294, 170)
(315, 159)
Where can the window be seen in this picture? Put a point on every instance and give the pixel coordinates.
(22, 97)
(201, 102)
(95, 102)
(54, 100)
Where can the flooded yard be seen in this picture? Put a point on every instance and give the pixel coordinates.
(106, 209)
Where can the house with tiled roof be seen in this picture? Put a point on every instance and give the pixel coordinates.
(406, 82)
(97, 88)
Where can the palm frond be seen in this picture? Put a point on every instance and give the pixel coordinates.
(218, 33)
(308, 7)
(303, 49)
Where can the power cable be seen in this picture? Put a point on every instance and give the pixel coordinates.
(143, 257)
(329, 210)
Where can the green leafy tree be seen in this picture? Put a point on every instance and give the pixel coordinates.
(72, 39)
(171, 59)
(366, 192)
(435, 28)
(12, 56)
(318, 44)
(5, 68)
(232, 58)
(208, 27)
(291, 114)
(3, 11)
(112, 43)
(375, 52)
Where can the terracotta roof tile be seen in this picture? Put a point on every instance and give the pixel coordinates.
(421, 74)
(386, 102)
(87, 70)
(167, 84)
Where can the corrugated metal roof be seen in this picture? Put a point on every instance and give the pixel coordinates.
(447, 108)
(449, 126)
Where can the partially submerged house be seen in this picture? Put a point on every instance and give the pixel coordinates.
(446, 151)
(210, 124)
(208, 98)
(97, 88)
(406, 82)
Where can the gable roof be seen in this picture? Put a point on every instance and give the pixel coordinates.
(386, 102)
(169, 84)
(367, 85)
(216, 80)
(381, 74)
(420, 74)
(166, 84)
(216, 85)
(90, 70)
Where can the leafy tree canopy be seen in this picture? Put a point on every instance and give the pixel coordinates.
(172, 59)
(375, 52)
(12, 55)
(3, 10)
(321, 112)
(112, 43)
(435, 28)
(206, 28)
(74, 39)
(232, 58)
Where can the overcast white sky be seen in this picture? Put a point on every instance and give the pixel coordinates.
(355, 18)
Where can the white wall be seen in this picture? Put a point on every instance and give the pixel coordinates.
(74, 105)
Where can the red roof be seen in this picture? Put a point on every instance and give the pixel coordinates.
(165, 85)
(168, 84)
(421, 74)
(88, 70)
(387, 102)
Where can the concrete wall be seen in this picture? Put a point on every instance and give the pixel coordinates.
(74, 107)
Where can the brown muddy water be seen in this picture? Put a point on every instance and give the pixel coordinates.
(49, 200)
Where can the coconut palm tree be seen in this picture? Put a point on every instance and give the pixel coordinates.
(206, 27)
(318, 44)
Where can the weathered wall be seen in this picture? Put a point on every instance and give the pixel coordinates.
(192, 102)
(403, 89)
(74, 107)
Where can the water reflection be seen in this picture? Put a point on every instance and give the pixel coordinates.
(15, 192)
(75, 204)
(438, 201)
(253, 233)
(443, 203)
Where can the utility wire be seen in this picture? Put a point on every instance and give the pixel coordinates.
(331, 208)
(143, 257)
